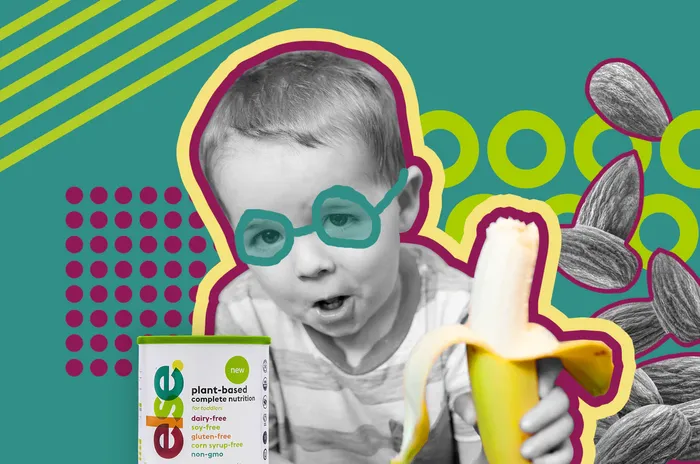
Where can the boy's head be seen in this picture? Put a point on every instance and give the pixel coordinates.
(287, 131)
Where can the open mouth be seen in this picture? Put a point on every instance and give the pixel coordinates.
(331, 304)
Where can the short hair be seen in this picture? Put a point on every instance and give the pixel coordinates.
(314, 98)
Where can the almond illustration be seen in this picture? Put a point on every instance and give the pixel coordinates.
(627, 99)
(691, 411)
(597, 258)
(612, 203)
(603, 425)
(638, 319)
(652, 434)
(643, 393)
(676, 297)
(677, 379)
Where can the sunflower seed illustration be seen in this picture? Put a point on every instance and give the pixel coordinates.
(626, 97)
(597, 258)
(613, 201)
(676, 297)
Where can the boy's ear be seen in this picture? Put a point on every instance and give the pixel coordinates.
(409, 199)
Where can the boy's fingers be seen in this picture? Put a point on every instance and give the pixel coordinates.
(562, 455)
(464, 406)
(553, 436)
(548, 370)
(550, 408)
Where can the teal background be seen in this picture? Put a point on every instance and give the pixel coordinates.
(480, 61)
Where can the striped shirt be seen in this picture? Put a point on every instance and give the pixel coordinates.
(326, 411)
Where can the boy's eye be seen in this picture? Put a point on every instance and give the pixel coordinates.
(268, 236)
(339, 220)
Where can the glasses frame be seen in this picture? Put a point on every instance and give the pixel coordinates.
(291, 232)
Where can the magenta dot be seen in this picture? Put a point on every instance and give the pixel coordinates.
(173, 318)
(74, 294)
(173, 294)
(98, 269)
(74, 343)
(123, 195)
(74, 244)
(148, 293)
(173, 195)
(123, 343)
(193, 293)
(148, 318)
(173, 220)
(74, 195)
(198, 269)
(122, 269)
(74, 367)
(98, 343)
(98, 220)
(98, 367)
(74, 318)
(123, 318)
(148, 244)
(123, 367)
(123, 220)
(98, 318)
(98, 244)
(98, 294)
(196, 221)
(98, 195)
(173, 244)
(74, 219)
(148, 220)
(123, 294)
(173, 269)
(148, 269)
(123, 244)
(197, 244)
(191, 316)
(148, 195)
(74, 269)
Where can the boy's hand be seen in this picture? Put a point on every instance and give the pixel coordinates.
(549, 422)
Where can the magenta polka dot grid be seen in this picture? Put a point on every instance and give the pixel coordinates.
(134, 259)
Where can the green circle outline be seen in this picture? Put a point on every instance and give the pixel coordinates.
(583, 147)
(454, 226)
(564, 203)
(677, 210)
(546, 128)
(669, 149)
(466, 137)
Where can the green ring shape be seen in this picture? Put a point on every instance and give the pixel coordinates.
(454, 227)
(466, 137)
(583, 147)
(564, 203)
(677, 210)
(337, 191)
(669, 149)
(554, 155)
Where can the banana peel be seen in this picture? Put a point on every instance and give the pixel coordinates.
(502, 350)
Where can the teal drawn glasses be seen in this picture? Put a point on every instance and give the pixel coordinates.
(341, 217)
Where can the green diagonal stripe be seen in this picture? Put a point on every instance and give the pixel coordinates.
(113, 66)
(143, 83)
(85, 47)
(28, 18)
(55, 32)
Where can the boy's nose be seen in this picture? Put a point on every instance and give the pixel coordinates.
(311, 259)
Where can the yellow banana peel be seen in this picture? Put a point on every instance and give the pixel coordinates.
(502, 350)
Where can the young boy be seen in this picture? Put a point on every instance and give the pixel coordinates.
(310, 140)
